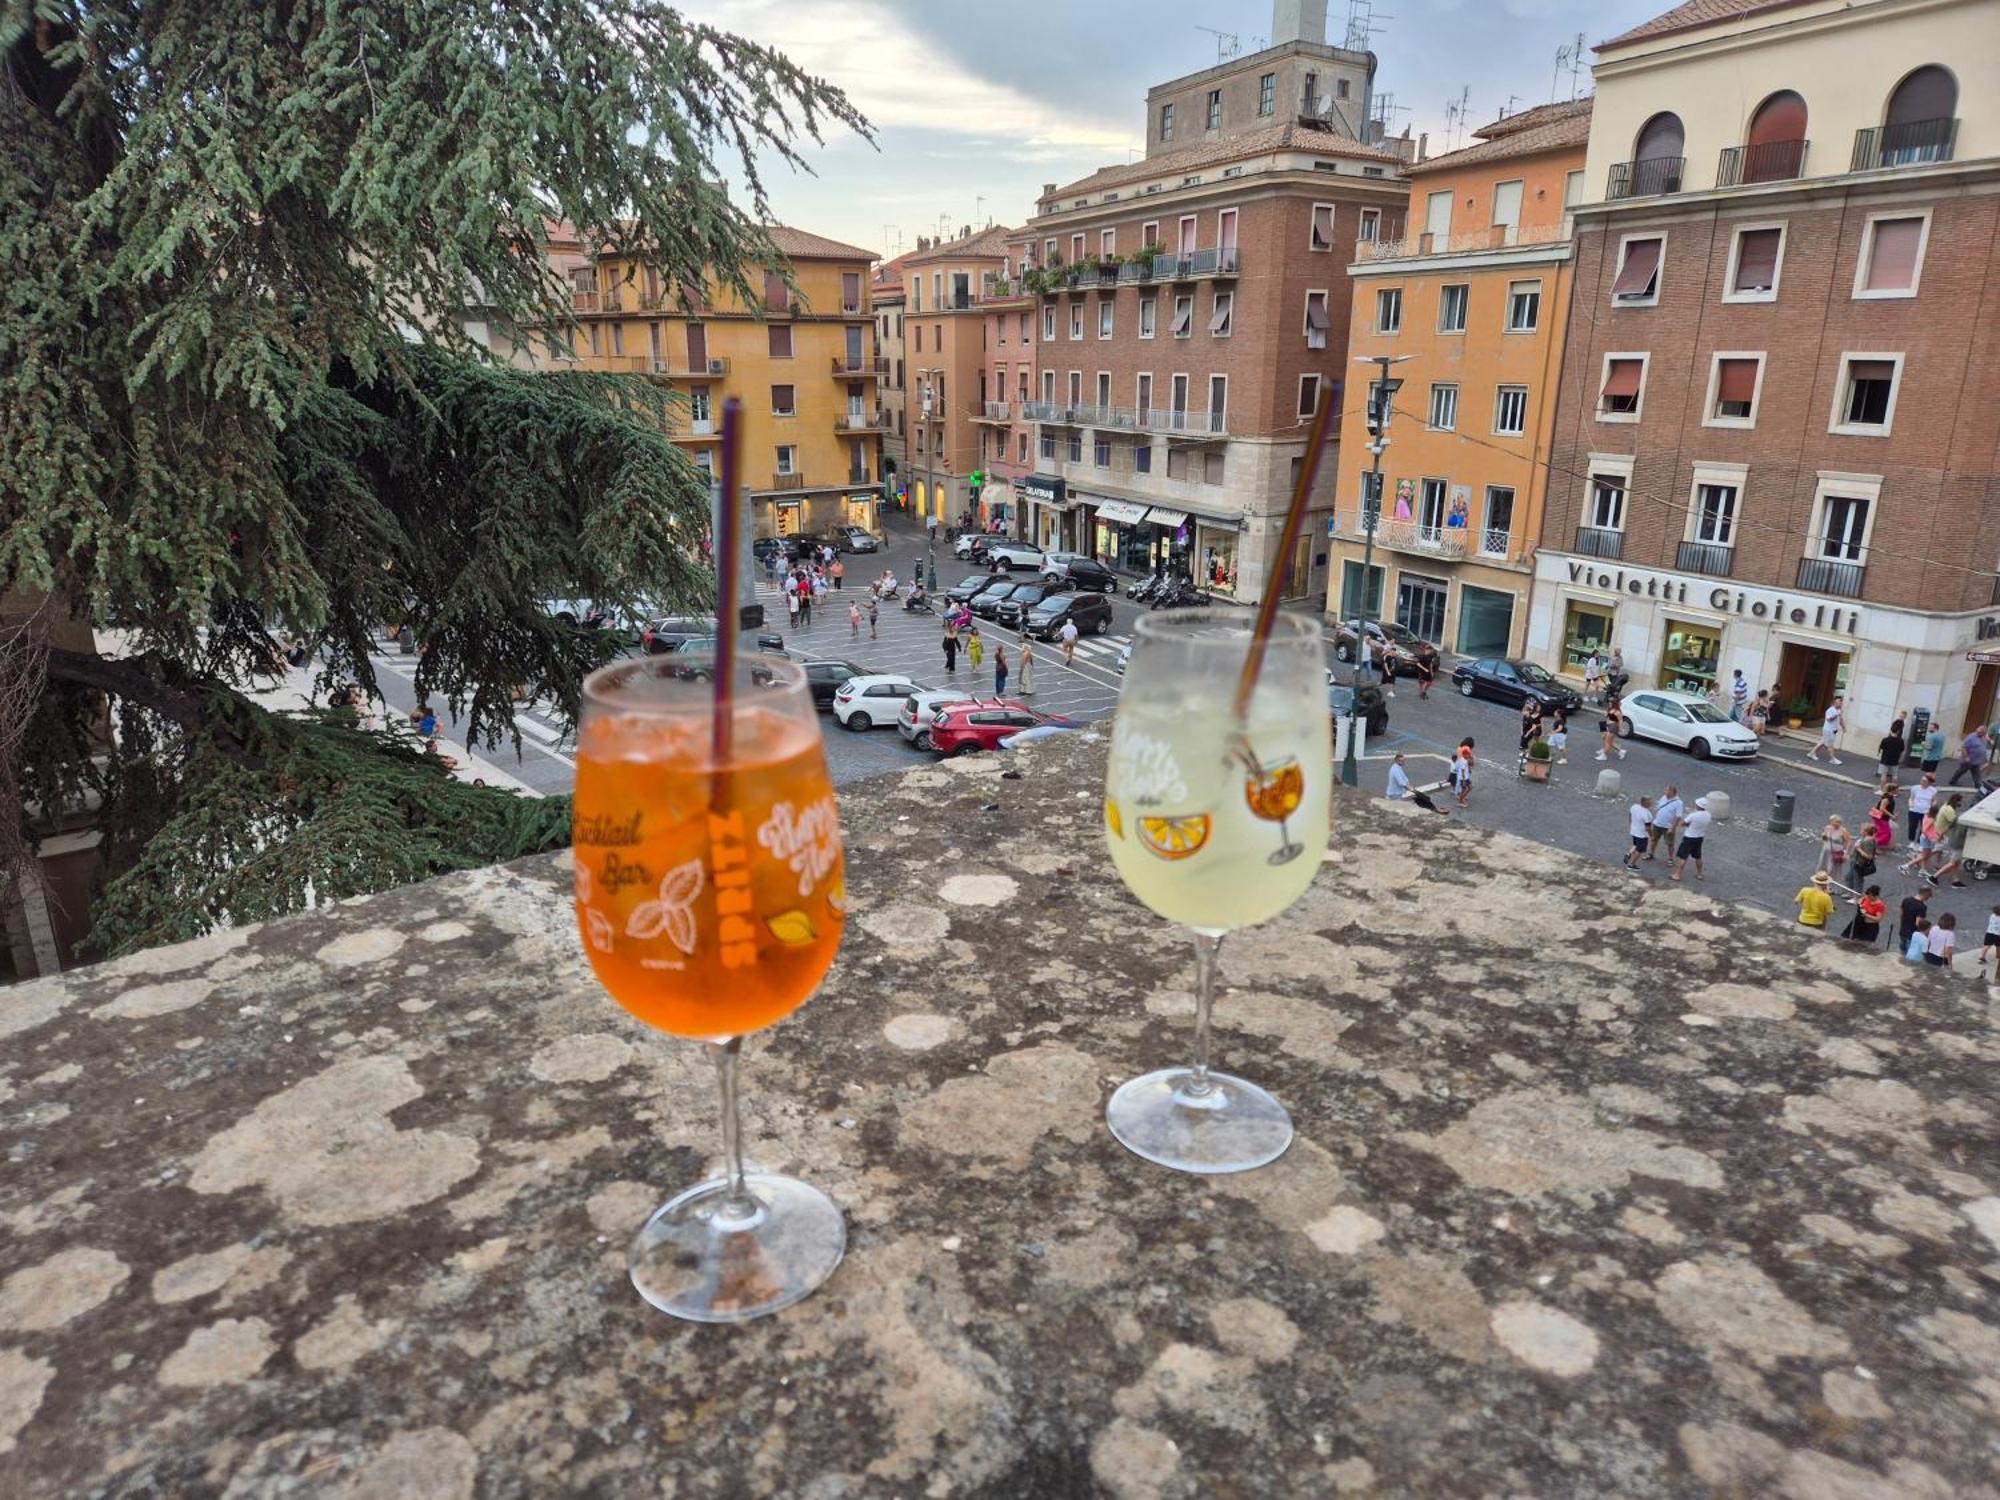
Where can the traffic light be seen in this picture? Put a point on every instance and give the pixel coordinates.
(1381, 397)
(977, 480)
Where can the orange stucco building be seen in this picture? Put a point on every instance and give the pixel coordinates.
(1472, 303)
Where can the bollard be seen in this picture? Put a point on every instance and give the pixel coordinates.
(1718, 806)
(1607, 783)
(1781, 812)
(406, 641)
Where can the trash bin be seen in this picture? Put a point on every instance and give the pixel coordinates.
(1781, 812)
(406, 641)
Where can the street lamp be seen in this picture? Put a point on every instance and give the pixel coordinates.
(930, 479)
(1381, 398)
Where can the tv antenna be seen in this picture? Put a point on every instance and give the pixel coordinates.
(1227, 43)
(1386, 110)
(1454, 117)
(1508, 108)
(1570, 60)
(1363, 22)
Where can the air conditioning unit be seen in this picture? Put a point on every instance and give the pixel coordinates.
(716, 367)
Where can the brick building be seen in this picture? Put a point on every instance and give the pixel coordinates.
(1776, 444)
(1472, 300)
(1191, 306)
(1006, 380)
(943, 339)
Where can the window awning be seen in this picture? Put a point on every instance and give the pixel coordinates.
(1220, 322)
(1623, 379)
(1738, 381)
(1316, 313)
(1757, 260)
(1120, 512)
(1892, 264)
(1642, 263)
(1322, 230)
(1159, 515)
(1871, 369)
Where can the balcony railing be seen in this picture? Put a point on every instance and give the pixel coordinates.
(583, 301)
(679, 367)
(1600, 541)
(860, 421)
(1045, 411)
(849, 367)
(1913, 144)
(993, 411)
(1184, 423)
(1494, 237)
(1193, 263)
(1827, 575)
(1495, 542)
(1647, 178)
(1704, 557)
(792, 480)
(859, 476)
(1773, 161)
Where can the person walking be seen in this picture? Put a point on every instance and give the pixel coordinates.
(1815, 901)
(792, 608)
(1000, 670)
(1922, 796)
(975, 648)
(1639, 817)
(1889, 753)
(1942, 942)
(1865, 926)
(1882, 823)
(874, 613)
(1027, 668)
(854, 620)
(805, 600)
(1593, 674)
(1667, 818)
(1829, 732)
(1461, 773)
(951, 648)
(1614, 719)
(1400, 789)
(1933, 751)
(1759, 717)
(1739, 695)
(1951, 843)
(1836, 842)
(1531, 725)
(1694, 831)
(1972, 756)
(1069, 642)
(839, 571)
(1862, 870)
(1427, 666)
(1559, 734)
(1989, 946)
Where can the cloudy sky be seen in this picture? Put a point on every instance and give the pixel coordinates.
(977, 103)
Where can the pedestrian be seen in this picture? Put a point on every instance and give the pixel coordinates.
(1759, 717)
(839, 571)
(1932, 755)
(854, 621)
(771, 567)
(1914, 908)
(1882, 823)
(1972, 756)
(1922, 796)
(1531, 723)
(1069, 642)
(1829, 732)
(1427, 665)
(805, 602)
(1615, 675)
(1942, 941)
(1559, 734)
(975, 648)
(425, 718)
(1889, 754)
(1667, 819)
(1463, 773)
(1951, 843)
(1739, 696)
(1836, 842)
(1815, 901)
(1593, 674)
(1400, 788)
(1863, 867)
(1027, 668)
(1000, 670)
(1989, 946)
(792, 608)
(1640, 818)
(874, 611)
(1614, 721)
(1865, 926)
(1693, 831)
(951, 648)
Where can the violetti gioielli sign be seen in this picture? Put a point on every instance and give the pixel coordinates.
(1728, 599)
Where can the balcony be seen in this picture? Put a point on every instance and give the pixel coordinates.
(1195, 264)
(1704, 557)
(1494, 237)
(1600, 541)
(1648, 178)
(1186, 424)
(861, 421)
(859, 477)
(1826, 575)
(857, 367)
(1495, 541)
(792, 480)
(993, 411)
(1416, 536)
(1916, 143)
(1773, 161)
(680, 367)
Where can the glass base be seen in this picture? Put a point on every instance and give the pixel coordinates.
(696, 1260)
(1231, 1126)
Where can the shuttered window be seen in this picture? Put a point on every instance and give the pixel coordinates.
(1639, 277)
(1735, 387)
(1621, 386)
(1757, 260)
(1892, 255)
(1322, 228)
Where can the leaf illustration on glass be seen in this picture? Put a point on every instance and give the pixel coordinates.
(792, 928)
(582, 880)
(601, 933)
(672, 915)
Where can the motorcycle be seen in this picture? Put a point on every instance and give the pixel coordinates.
(1180, 593)
(1148, 586)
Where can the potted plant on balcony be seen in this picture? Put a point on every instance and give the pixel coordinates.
(1535, 764)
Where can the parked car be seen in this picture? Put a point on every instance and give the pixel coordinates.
(1008, 555)
(982, 723)
(1690, 721)
(1092, 613)
(854, 539)
(1086, 573)
(672, 632)
(872, 701)
(913, 719)
(1400, 642)
(1057, 562)
(986, 603)
(825, 675)
(1013, 608)
(962, 591)
(1373, 709)
(991, 587)
(784, 546)
(767, 645)
(1512, 681)
(970, 545)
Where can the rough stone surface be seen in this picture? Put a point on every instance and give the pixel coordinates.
(1539, 1234)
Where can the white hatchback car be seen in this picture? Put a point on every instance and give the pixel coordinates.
(1690, 721)
(913, 719)
(871, 702)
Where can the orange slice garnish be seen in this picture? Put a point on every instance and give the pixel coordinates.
(1175, 838)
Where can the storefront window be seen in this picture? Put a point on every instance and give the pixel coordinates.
(1586, 628)
(1485, 621)
(788, 519)
(1688, 663)
(1215, 558)
(1350, 591)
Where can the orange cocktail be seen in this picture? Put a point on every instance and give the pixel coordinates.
(711, 900)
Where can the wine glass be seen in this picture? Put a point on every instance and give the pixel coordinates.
(710, 892)
(1191, 795)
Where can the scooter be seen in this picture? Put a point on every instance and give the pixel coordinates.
(1143, 588)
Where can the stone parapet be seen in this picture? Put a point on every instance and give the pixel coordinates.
(1601, 1189)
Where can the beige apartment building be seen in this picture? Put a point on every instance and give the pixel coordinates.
(943, 335)
(1775, 445)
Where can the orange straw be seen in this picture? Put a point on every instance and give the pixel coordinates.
(726, 579)
(1295, 520)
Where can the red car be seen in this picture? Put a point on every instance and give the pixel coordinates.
(982, 723)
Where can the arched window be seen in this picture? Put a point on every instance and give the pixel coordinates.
(1658, 156)
(1919, 124)
(1776, 147)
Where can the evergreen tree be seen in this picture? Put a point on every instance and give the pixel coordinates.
(236, 407)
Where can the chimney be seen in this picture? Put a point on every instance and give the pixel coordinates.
(1298, 21)
(1048, 190)
(1423, 144)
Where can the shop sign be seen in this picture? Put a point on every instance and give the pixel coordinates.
(1751, 604)
(1041, 488)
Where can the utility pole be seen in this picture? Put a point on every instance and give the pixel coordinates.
(930, 484)
(1382, 392)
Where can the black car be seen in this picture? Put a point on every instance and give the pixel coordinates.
(1513, 682)
(1092, 613)
(675, 631)
(996, 585)
(783, 546)
(1013, 607)
(962, 591)
(1089, 574)
(825, 675)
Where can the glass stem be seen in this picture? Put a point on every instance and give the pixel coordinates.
(1207, 945)
(737, 1201)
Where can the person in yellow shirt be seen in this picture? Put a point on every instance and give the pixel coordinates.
(1815, 902)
